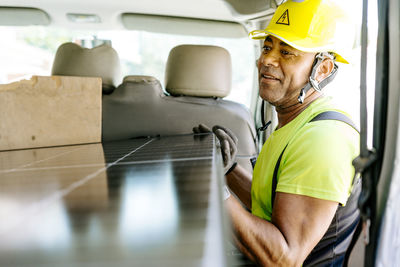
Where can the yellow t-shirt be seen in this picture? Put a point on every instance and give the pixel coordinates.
(317, 161)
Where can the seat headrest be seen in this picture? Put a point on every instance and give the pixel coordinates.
(137, 88)
(198, 70)
(100, 61)
(140, 79)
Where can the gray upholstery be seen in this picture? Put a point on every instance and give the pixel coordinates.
(138, 107)
(198, 70)
(101, 61)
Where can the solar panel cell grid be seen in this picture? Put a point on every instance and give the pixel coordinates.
(139, 202)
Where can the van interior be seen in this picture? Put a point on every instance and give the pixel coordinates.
(99, 165)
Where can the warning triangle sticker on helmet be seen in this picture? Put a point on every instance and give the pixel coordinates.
(284, 18)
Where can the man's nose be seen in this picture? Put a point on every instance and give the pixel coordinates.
(268, 59)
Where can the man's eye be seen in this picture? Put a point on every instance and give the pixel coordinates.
(266, 48)
(284, 52)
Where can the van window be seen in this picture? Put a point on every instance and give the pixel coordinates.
(30, 50)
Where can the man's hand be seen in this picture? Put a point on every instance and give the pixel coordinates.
(201, 129)
(227, 140)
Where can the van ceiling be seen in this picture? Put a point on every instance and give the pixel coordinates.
(110, 12)
(182, 26)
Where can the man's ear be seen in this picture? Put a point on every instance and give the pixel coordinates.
(324, 69)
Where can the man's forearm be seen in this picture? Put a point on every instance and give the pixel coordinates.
(239, 181)
(251, 233)
(298, 224)
(243, 248)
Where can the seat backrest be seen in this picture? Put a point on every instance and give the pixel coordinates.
(139, 107)
(134, 109)
(100, 61)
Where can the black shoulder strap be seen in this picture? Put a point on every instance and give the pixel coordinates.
(334, 115)
(327, 115)
(274, 178)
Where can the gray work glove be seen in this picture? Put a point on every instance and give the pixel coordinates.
(201, 129)
(228, 142)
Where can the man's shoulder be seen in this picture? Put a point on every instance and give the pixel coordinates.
(327, 142)
(334, 122)
(326, 131)
(322, 105)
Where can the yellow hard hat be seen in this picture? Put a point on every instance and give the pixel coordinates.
(312, 26)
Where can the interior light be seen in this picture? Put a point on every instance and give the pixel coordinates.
(83, 18)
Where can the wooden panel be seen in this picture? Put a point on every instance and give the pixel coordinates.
(50, 111)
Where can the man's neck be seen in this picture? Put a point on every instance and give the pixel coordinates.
(286, 115)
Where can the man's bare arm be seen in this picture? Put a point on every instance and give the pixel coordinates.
(298, 223)
(239, 181)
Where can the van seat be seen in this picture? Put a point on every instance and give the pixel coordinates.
(101, 61)
(139, 107)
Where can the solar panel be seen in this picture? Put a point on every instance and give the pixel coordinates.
(139, 202)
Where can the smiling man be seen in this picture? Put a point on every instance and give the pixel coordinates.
(302, 196)
(282, 71)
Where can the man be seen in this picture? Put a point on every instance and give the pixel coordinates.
(303, 219)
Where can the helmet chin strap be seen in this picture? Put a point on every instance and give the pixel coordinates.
(312, 83)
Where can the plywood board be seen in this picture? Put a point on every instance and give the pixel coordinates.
(50, 111)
